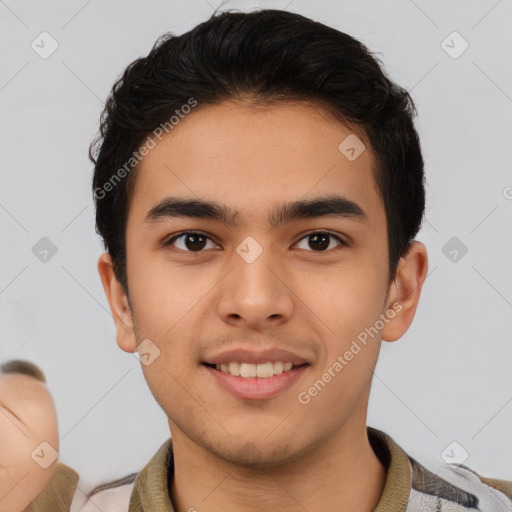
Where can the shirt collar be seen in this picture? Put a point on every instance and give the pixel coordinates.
(59, 492)
(395, 495)
(151, 487)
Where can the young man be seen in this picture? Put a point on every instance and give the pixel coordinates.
(259, 184)
(31, 478)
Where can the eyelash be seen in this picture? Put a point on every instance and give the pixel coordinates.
(171, 240)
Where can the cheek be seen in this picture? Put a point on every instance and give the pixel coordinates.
(346, 298)
(164, 295)
(347, 305)
(15, 445)
(18, 468)
(170, 385)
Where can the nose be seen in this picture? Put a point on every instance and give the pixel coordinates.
(257, 294)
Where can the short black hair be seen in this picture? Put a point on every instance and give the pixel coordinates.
(266, 56)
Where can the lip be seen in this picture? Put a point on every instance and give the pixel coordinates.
(255, 357)
(255, 388)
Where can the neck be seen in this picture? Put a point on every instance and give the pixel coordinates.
(342, 473)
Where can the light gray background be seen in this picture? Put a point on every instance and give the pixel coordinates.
(448, 379)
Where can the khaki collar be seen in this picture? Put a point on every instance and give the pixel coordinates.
(58, 494)
(150, 491)
(397, 487)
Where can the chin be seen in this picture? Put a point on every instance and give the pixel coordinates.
(254, 455)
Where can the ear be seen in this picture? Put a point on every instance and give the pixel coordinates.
(404, 292)
(119, 305)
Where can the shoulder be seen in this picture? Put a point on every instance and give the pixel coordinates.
(116, 496)
(504, 486)
(452, 485)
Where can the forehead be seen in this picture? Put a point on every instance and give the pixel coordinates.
(249, 157)
(22, 387)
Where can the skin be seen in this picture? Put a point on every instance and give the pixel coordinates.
(239, 455)
(27, 418)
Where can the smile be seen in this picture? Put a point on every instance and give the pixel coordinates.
(262, 370)
(251, 381)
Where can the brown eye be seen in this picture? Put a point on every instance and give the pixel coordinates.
(190, 241)
(319, 241)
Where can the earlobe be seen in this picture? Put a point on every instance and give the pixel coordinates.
(119, 305)
(404, 297)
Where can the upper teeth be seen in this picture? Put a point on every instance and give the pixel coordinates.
(261, 370)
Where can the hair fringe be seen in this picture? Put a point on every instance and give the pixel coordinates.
(23, 367)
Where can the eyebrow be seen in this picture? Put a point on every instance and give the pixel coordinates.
(324, 206)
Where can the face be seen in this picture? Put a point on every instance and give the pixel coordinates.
(262, 284)
(27, 419)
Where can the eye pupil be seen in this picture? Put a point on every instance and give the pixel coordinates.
(320, 237)
(189, 239)
(318, 241)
